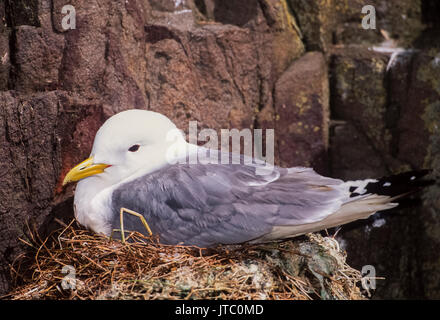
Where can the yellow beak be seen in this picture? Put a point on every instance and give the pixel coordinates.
(83, 170)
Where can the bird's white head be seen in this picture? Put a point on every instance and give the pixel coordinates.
(128, 142)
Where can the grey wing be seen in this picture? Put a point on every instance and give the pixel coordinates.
(205, 205)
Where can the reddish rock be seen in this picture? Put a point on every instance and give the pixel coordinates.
(195, 70)
(37, 131)
(4, 49)
(416, 97)
(349, 163)
(5, 61)
(359, 93)
(37, 58)
(327, 22)
(268, 17)
(302, 113)
(317, 20)
(223, 56)
(22, 12)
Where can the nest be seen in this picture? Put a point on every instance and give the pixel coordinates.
(74, 263)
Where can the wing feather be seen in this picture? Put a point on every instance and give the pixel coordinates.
(205, 205)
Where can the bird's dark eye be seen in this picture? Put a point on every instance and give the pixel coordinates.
(134, 148)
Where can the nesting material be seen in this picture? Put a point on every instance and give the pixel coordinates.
(77, 264)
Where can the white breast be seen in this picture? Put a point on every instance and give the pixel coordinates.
(93, 207)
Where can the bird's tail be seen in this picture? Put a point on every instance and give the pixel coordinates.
(372, 195)
(366, 198)
(394, 186)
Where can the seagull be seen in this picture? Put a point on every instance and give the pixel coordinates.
(138, 178)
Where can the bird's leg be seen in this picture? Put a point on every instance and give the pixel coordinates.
(134, 213)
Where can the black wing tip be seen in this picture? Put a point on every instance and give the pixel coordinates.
(400, 184)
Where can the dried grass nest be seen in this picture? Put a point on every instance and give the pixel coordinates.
(74, 263)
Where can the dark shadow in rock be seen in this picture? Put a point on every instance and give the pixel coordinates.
(61, 213)
(22, 12)
(236, 12)
(430, 38)
(431, 13)
(201, 6)
(21, 271)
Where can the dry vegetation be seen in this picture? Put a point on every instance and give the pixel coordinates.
(309, 268)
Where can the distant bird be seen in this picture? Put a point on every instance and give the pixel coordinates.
(136, 180)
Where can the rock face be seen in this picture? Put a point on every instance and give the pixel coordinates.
(44, 134)
(302, 110)
(273, 64)
(390, 112)
(359, 97)
(326, 22)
